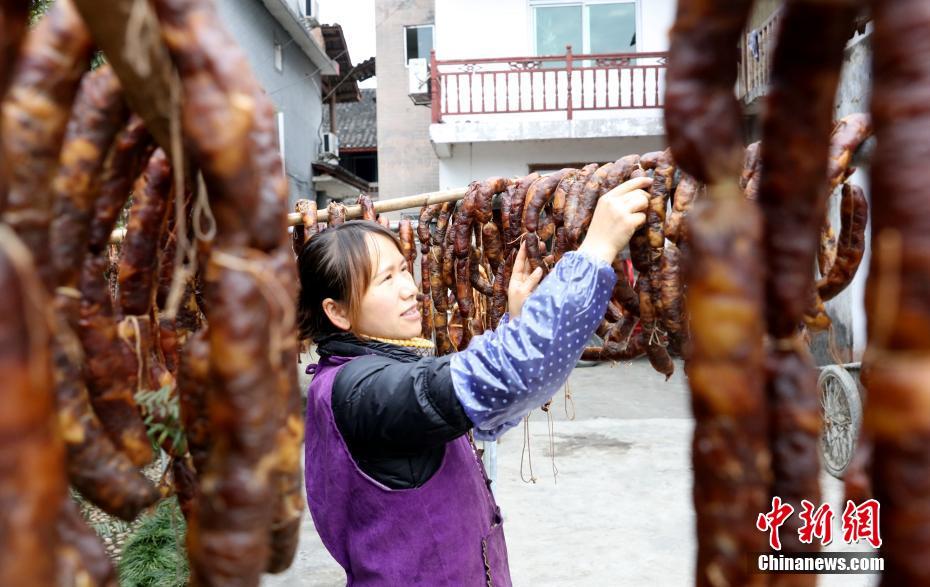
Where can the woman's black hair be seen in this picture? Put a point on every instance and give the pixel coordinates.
(336, 264)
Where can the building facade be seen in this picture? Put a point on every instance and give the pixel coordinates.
(406, 162)
(493, 107)
(289, 61)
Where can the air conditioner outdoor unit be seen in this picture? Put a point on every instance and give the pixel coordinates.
(329, 149)
(418, 76)
(310, 10)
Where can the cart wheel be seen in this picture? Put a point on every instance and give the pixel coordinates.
(842, 418)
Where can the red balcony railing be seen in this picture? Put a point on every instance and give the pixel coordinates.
(553, 83)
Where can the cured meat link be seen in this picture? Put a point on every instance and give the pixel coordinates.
(194, 384)
(229, 536)
(560, 194)
(730, 450)
(98, 114)
(682, 200)
(126, 159)
(300, 235)
(368, 208)
(725, 296)
(848, 135)
(492, 245)
(407, 244)
(538, 196)
(702, 115)
(35, 115)
(440, 302)
(111, 367)
(805, 74)
(427, 214)
(337, 213)
(287, 476)
(104, 475)
(897, 360)
(139, 253)
(614, 351)
(513, 222)
(792, 195)
(587, 203)
(854, 212)
(31, 454)
(81, 558)
(826, 252)
(671, 299)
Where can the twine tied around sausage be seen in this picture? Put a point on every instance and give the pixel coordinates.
(185, 255)
(141, 33)
(274, 292)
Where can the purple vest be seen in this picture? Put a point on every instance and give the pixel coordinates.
(446, 532)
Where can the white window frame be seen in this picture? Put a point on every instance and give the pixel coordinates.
(279, 120)
(278, 57)
(416, 26)
(585, 24)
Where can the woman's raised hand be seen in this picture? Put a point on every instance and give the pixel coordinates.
(522, 282)
(618, 214)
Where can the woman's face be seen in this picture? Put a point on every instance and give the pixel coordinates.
(389, 308)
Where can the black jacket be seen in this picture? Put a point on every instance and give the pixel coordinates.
(395, 409)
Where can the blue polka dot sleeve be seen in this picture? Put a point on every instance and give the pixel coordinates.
(505, 374)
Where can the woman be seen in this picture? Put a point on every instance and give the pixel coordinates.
(396, 491)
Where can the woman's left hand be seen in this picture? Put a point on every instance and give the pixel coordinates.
(522, 282)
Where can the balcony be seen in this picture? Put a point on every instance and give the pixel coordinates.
(755, 52)
(546, 97)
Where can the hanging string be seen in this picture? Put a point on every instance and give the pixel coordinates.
(136, 343)
(551, 426)
(140, 34)
(569, 401)
(526, 451)
(182, 252)
(203, 211)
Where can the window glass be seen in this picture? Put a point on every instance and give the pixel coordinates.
(612, 27)
(556, 27)
(419, 42)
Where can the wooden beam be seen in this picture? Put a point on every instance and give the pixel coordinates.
(128, 34)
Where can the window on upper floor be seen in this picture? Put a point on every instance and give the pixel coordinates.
(278, 57)
(592, 26)
(418, 42)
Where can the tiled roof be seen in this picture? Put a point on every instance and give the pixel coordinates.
(343, 85)
(342, 174)
(356, 122)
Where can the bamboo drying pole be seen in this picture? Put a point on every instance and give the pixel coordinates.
(355, 211)
(392, 205)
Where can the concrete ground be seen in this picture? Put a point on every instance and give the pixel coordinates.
(619, 509)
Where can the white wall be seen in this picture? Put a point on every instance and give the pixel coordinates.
(655, 20)
(471, 161)
(503, 28)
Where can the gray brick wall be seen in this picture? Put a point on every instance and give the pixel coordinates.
(294, 91)
(406, 162)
